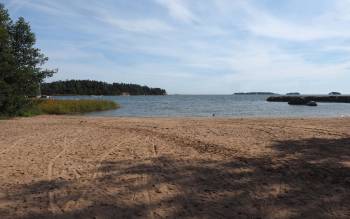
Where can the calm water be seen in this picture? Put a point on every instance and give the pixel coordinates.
(206, 105)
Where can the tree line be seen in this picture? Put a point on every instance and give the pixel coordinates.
(21, 64)
(90, 87)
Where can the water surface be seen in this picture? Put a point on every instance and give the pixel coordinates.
(207, 105)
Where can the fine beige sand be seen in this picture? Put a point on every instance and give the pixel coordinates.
(85, 167)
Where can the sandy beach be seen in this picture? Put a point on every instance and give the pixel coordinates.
(89, 167)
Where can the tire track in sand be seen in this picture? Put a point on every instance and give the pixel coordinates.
(22, 140)
(155, 150)
(100, 163)
(11, 147)
(144, 178)
(104, 156)
(53, 208)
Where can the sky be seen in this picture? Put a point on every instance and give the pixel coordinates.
(196, 46)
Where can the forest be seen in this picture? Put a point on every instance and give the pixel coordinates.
(90, 87)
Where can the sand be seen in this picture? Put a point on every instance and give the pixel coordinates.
(86, 167)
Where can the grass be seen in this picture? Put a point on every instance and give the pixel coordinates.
(36, 107)
(60, 107)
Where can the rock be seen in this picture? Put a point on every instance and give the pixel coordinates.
(307, 98)
(297, 101)
(311, 103)
(301, 101)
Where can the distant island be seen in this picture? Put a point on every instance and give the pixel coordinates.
(334, 93)
(255, 93)
(293, 94)
(90, 87)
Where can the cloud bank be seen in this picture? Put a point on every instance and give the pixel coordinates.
(195, 46)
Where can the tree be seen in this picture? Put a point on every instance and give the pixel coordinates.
(7, 64)
(20, 64)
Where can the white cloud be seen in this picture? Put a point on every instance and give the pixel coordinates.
(332, 24)
(178, 9)
(225, 45)
(144, 25)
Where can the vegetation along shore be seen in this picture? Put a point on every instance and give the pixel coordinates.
(90, 87)
(59, 107)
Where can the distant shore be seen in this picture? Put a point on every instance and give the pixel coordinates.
(255, 93)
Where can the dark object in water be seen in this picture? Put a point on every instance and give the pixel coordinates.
(334, 93)
(293, 94)
(301, 101)
(298, 101)
(311, 103)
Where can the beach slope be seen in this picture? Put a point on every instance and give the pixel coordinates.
(86, 167)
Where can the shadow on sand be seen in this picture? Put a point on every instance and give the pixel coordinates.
(307, 178)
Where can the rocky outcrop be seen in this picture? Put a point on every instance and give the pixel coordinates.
(298, 101)
(301, 101)
(305, 99)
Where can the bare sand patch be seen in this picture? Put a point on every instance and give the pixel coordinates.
(85, 167)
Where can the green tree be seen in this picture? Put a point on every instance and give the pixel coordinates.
(7, 65)
(21, 64)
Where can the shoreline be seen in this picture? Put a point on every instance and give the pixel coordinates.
(198, 117)
(204, 118)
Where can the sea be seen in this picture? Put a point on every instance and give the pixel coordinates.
(236, 106)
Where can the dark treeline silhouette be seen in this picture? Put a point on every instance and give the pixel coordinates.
(89, 87)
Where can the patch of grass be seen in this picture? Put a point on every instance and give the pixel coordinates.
(60, 107)
(36, 107)
(30, 110)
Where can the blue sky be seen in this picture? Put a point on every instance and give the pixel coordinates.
(197, 46)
